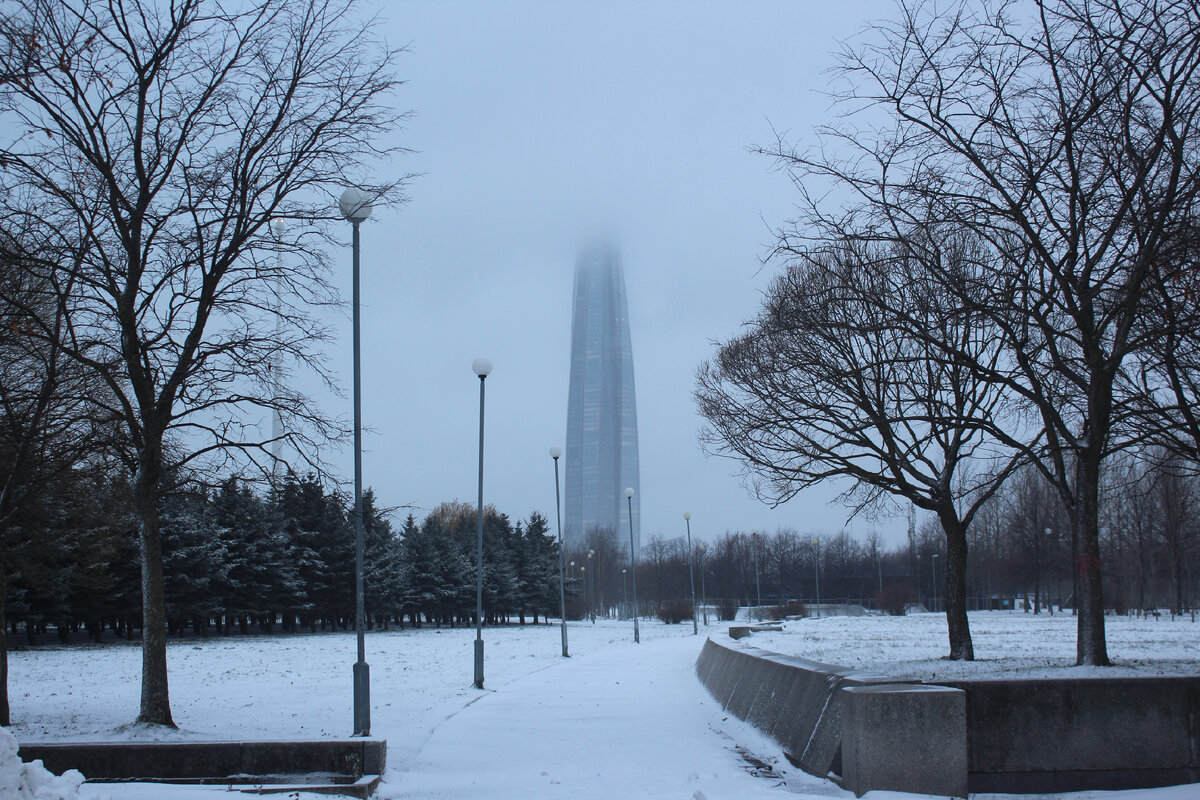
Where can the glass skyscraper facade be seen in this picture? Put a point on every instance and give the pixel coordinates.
(602, 439)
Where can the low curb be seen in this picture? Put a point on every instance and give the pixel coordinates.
(329, 766)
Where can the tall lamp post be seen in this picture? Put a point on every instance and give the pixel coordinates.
(817, 572)
(687, 518)
(757, 585)
(592, 588)
(355, 205)
(933, 569)
(624, 588)
(482, 367)
(920, 600)
(1049, 602)
(633, 565)
(556, 454)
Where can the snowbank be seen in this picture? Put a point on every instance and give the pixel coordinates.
(21, 781)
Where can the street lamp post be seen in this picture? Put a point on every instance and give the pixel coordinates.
(687, 517)
(556, 454)
(1038, 571)
(592, 589)
(633, 565)
(920, 601)
(355, 206)
(624, 589)
(703, 592)
(481, 367)
(817, 572)
(933, 568)
(757, 585)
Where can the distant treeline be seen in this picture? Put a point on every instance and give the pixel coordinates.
(235, 560)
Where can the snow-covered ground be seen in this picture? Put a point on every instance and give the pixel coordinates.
(1007, 644)
(616, 720)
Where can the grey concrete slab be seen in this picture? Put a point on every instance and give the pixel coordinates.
(905, 738)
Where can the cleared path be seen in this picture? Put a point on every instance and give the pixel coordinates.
(624, 722)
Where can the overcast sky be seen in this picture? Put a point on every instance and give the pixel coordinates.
(536, 127)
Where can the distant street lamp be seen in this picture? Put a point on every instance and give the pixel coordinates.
(757, 586)
(592, 589)
(817, 572)
(633, 565)
(355, 205)
(687, 517)
(556, 454)
(703, 592)
(624, 590)
(1038, 572)
(920, 602)
(481, 367)
(933, 569)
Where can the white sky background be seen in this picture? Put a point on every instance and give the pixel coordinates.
(537, 126)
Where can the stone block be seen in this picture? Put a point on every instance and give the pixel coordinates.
(905, 738)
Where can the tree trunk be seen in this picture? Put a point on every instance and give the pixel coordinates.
(156, 706)
(957, 625)
(1090, 646)
(4, 711)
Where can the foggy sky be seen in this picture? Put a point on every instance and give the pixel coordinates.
(538, 127)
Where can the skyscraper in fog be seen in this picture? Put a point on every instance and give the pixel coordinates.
(602, 440)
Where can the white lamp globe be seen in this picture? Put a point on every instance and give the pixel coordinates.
(355, 205)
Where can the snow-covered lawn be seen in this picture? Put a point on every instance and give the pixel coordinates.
(290, 686)
(615, 720)
(1007, 644)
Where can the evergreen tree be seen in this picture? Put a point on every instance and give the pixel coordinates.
(194, 562)
(384, 572)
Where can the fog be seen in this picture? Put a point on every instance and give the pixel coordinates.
(535, 128)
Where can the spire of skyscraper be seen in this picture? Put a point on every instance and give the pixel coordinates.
(602, 440)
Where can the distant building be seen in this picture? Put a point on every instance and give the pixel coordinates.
(602, 438)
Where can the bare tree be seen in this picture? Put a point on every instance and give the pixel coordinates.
(49, 431)
(1031, 530)
(1064, 134)
(162, 140)
(830, 383)
(1176, 497)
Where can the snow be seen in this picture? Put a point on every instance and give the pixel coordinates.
(20, 781)
(615, 720)
(1008, 644)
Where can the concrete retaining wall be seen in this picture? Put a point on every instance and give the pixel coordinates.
(1072, 734)
(870, 731)
(345, 759)
(797, 702)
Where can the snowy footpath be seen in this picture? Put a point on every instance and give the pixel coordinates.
(625, 722)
